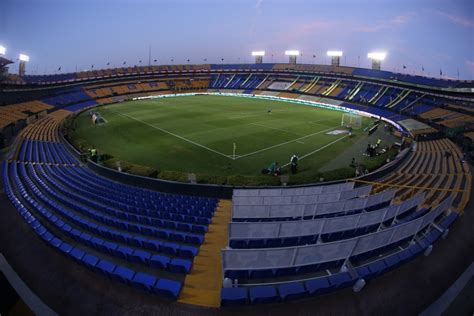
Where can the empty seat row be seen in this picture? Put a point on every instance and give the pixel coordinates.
(114, 249)
(292, 233)
(103, 204)
(312, 211)
(285, 291)
(139, 200)
(162, 286)
(142, 195)
(161, 211)
(290, 290)
(46, 152)
(271, 262)
(110, 221)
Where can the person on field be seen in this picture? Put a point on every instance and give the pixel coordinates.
(94, 154)
(273, 169)
(294, 163)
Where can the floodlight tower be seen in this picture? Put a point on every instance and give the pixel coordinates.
(23, 60)
(377, 58)
(3, 62)
(335, 57)
(258, 56)
(292, 55)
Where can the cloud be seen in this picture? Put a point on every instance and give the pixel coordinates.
(393, 23)
(314, 27)
(307, 28)
(470, 65)
(457, 19)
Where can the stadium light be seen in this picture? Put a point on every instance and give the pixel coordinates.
(377, 58)
(377, 55)
(258, 56)
(335, 57)
(3, 50)
(292, 53)
(22, 67)
(24, 57)
(334, 53)
(258, 53)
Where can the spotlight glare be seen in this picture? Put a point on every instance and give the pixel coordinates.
(377, 55)
(334, 53)
(258, 53)
(24, 57)
(292, 53)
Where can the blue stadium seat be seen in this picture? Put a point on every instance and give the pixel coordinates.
(55, 242)
(77, 254)
(90, 260)
(377, 267)
(159, 261)
(293, 290)
(105, 267)
(123, 274)
(263, 294)
(447, 221)
(317, 286)
(392, 261)
(234, 296)
(187, 251)
(140, 256)
(144, 281)
(363, 272)
(179, 265)
(340, 280)
(168, 288)
(65, 248)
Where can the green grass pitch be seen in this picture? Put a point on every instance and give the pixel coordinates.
(196, 134)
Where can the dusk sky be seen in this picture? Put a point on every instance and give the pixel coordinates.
(434, 34)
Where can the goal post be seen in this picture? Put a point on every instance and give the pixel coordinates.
(353, 120)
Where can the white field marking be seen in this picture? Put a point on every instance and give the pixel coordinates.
(319, 149)
(321, 120)
(300, 142)
(172, 134)
(263, 112)
(278, 129)
(287, 142)
(317, 122)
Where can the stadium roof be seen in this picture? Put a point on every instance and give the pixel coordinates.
(4, 61)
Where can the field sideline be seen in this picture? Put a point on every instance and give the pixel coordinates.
(197, 134)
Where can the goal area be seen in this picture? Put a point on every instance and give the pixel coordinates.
(352, 120)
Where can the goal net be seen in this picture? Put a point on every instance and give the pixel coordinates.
(352, 120)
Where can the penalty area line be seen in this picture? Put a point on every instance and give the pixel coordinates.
(173, 134)
(319, 149)
(284, 143)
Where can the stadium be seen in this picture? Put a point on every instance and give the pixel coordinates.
(224, 188)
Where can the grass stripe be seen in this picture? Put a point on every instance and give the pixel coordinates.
(172, 134)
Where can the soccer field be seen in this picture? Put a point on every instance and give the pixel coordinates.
(196, 134)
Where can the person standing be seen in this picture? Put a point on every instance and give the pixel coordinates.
(294, 163)
(94, 154)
